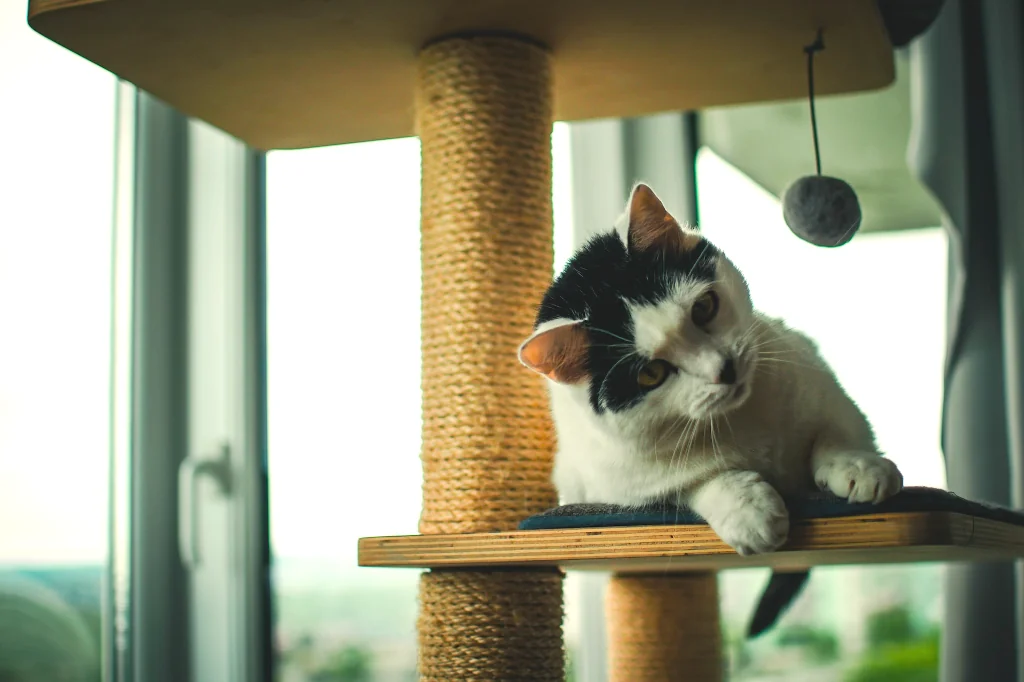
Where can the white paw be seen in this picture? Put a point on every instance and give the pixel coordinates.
(746, 512)
(859, 476)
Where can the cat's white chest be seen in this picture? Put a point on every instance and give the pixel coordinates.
(595, 465)
(598, 468)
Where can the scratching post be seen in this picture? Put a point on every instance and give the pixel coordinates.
(484, 116)
(664, 628)
(497, 625)
(484, 119)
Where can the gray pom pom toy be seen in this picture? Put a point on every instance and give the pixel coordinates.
(820, 209)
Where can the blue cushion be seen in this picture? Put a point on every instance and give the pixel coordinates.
(819, 505)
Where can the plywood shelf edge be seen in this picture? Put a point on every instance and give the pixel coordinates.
(866, 539)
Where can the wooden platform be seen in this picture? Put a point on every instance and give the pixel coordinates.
(305, 73)
(875, 538)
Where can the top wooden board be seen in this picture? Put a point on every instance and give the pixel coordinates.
(307, 73)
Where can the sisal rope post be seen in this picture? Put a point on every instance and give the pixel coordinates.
(484, 117)
(499, 625)
(664, 628)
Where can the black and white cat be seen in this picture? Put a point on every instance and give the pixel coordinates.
(666, 384)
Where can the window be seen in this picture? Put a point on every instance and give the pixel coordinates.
(344, 428)
(876, 307)
(55, 291)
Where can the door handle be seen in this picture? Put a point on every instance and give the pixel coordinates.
(189, 473)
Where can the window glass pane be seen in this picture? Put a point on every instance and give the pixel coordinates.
(876, 307)
(344, 427)
(56, 202)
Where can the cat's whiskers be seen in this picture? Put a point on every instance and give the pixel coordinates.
(729, 424)
(611, 334)
(752, 332)
(689, 443)
(761, 341)
(612, 370)
(770, 371)
(759, 344)
(701, 433)
(784, 351)
(628, 346)
(686, 437)
(675, 448)
(663, 432)
(682, 432)
(746, 336)
(782, 361)
(714, 445)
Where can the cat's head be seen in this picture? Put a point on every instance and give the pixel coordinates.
(650, 320)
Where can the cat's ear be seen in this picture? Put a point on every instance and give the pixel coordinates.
(558, 352)
(652, 227)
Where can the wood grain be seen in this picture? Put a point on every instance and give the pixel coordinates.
(875, 538)
(304, 73)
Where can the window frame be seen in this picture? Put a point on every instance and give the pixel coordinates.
(188, 369)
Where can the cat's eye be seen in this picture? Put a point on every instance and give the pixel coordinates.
(653, 374)
(704, 308)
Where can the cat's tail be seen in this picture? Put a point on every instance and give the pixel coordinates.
(782, 589)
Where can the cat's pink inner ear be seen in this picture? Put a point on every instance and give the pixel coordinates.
(559, 353)
(652, 227)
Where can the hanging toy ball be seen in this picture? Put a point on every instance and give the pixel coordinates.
(821, 210)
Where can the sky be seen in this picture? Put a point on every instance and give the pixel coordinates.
(344, 427)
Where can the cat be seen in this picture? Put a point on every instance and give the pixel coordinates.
(666, 385)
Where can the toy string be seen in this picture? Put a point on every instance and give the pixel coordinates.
(817, 46)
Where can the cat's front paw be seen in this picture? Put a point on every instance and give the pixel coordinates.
(859, 476)
(746, 512)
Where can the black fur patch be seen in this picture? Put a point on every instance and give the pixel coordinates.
(594, 286)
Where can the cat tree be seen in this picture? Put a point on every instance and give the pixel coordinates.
(481, 83)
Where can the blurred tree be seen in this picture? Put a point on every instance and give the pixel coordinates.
(820, 645)
(570, 666)
(351, 664)
(890, 626)
(916, 660)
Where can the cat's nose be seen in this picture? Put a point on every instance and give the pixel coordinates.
(728, 373)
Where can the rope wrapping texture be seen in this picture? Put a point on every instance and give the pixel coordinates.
(484, 116)
(664, 628)
(491, 626)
